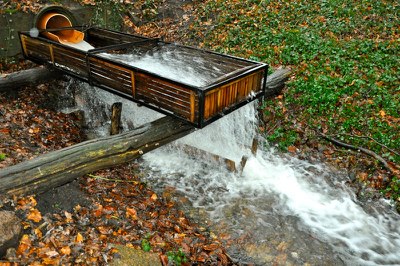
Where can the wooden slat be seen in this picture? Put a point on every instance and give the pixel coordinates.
(192, 106)
(230, 94)
(175, 91)
(119, 77)
(133, 84)
(161, 96)
(165, 106)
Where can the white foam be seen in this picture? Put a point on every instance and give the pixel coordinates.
(170, 62)
(82, 45)
(328, 213)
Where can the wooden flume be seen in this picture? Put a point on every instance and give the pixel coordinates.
(241, 81)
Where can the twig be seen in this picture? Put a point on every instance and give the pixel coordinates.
(115, 180)
(364, 150)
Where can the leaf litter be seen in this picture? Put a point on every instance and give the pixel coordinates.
(119, 208)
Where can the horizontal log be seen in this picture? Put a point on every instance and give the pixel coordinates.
(276, 82)
(59, 167)
(28, 77)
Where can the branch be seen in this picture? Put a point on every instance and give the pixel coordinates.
(368, 137)
(363, 150)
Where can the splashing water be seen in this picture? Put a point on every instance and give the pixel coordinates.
(293, 187)
(284, 205)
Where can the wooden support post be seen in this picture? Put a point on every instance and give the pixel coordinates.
(254, 147)
(116, 110)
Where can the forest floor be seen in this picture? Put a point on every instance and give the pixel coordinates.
(83, 221)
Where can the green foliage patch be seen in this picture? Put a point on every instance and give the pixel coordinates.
(346, 62)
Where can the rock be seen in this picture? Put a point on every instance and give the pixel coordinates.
(11, 254)
(10, 231)
(353, 176)
(131, 256)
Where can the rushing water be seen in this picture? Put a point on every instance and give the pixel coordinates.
(283, 207)
(278, 210)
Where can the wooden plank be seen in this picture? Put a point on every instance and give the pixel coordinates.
(175, 91)
(120, 78)
(192, 106)
(167, 107)
(109, 82)
(162, 97)
(191, 150)
(133, 84)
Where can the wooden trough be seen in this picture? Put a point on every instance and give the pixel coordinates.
(234, 83)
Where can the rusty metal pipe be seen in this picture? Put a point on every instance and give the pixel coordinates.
(55, 20)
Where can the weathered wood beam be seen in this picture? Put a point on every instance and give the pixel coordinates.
(29, 77)
(56, 168)
(191, 150)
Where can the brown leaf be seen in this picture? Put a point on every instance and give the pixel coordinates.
(131, 212)
(25, 243)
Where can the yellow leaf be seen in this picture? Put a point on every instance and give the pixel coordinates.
(382, 113)
(65, 250)
(79, 238)
(35, 215)
(38, 233)
(154, 197)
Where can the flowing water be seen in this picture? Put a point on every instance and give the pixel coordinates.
(278, 210)
(164, 59)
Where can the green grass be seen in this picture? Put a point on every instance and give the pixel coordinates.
(346, 61)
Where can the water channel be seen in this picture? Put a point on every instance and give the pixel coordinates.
(280, 209)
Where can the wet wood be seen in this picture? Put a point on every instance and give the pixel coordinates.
(173, 97)
(116, 110)
(254, 147)
(56, 168)
(190, 150)
(28, 77)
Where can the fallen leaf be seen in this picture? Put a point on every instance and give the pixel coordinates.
(65, 250)
(79, 238)
(154, 197)
(25, 243)
(292, 149)
(35, 215)
(131, 212)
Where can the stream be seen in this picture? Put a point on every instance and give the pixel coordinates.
(280, 209)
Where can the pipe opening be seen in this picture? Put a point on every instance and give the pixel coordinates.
(52, 20)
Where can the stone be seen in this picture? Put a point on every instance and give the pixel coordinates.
(10, 231)
(131, 256)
